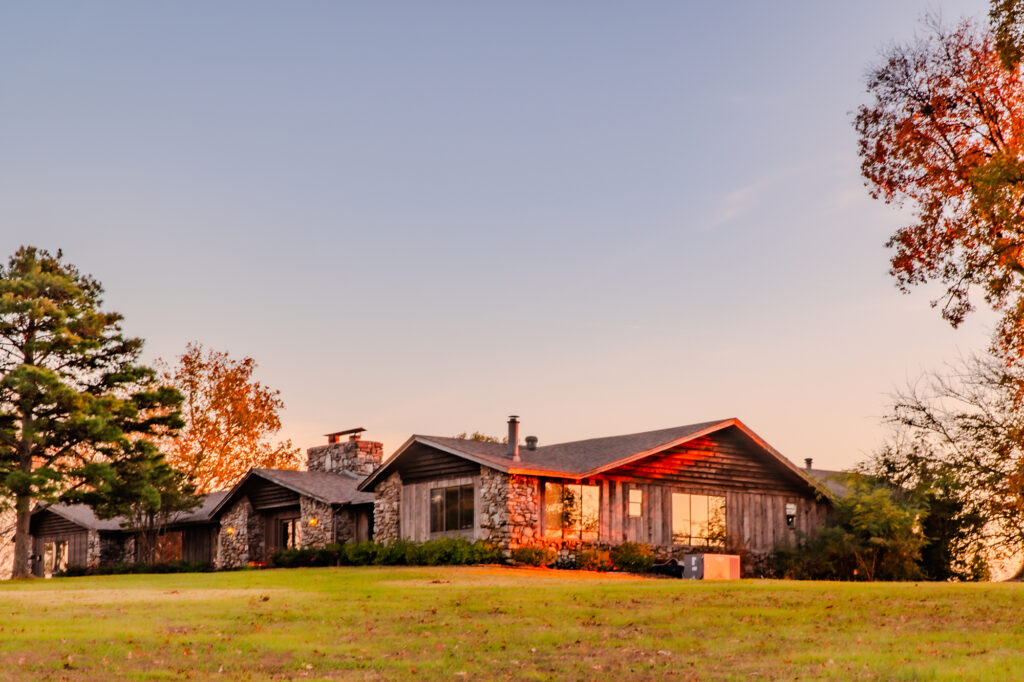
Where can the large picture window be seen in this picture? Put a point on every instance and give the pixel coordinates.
(451, 508)
(698, 519)
(572, 512)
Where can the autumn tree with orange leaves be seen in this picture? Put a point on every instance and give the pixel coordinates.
(230, 420)
(944, 135)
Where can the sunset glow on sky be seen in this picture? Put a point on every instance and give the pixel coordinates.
(423, 217)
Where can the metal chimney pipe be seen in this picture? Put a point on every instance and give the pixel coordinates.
(513, 437)
(808, 461)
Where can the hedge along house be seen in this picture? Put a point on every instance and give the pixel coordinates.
(273, 509)
(71, 535)
(687, 487)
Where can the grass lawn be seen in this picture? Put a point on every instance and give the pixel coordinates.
(493, 622)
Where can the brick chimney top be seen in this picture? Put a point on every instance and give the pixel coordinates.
(353, 434)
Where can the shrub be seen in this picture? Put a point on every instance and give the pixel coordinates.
(329, 555)
(634, 557)
(360, 553)
(534, 556)
(873, 533)
(126, 568)
(592, 559)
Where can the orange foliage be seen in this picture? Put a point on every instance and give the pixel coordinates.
(229, 419)
(945, 133)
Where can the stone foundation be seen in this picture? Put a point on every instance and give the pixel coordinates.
(387, 509)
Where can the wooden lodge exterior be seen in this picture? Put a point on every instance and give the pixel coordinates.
(688, 488)
(681, 489)
(71, 535)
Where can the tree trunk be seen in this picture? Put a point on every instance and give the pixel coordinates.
(22, 538)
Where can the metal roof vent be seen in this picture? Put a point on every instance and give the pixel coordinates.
(531, 442)
(808, 461)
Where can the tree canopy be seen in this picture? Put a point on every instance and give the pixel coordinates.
(944, 133)
(230, 418)
(74, 399)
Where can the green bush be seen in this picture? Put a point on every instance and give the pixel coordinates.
(360, 553)
(534, 556)
(329, 555)
(634, 557)
(591, 559)
(126, 568)
(873, 533)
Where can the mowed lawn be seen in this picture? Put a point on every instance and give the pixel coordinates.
(496, 622)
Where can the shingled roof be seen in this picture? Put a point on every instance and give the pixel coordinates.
(83, 515)
(581, 458)
(329, 487)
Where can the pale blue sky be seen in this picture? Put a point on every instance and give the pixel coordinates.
(422, 217)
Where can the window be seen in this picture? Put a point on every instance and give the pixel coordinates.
(571, 512)
(698, 519)
(451, 508)
(636, 502)
(55, 557)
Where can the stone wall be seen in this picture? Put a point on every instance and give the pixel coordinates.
(345, 525)
(94, 549)
(357, 456)
(387, 509)
(319, 533)
(233, 545)
(7, 525)
(509, 508)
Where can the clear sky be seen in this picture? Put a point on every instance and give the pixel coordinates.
(421, 217)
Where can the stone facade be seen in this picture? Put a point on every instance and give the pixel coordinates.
(94, 548)
(345, 525)
(509, 508)
(7, 524)
(358, 456)
(233, 548)
(320, 532)
(387, 509)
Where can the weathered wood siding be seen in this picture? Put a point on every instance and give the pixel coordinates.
(263, 494)
(422, 463)
(199, 543)
(49, 527)
(415, 519)
(757, 520)
(728, 464)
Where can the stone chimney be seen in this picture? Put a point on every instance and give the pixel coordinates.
(354, 455)
(513, 437)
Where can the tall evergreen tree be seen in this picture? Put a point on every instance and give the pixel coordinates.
(74, 399)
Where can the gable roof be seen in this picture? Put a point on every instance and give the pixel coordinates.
(84, 516)
(584, 458)
(329, 487)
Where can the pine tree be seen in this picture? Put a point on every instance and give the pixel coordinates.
(74, 399)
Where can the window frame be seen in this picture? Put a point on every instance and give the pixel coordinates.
(587, 530)
(635, 508)
(439, 521)
(712, 529)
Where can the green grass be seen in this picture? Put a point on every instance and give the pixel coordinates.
(485, 623)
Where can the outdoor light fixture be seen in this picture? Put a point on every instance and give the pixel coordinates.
(790, 513)
(313, 521)
(230, 530)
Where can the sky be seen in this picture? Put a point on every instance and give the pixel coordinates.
(424, 217)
